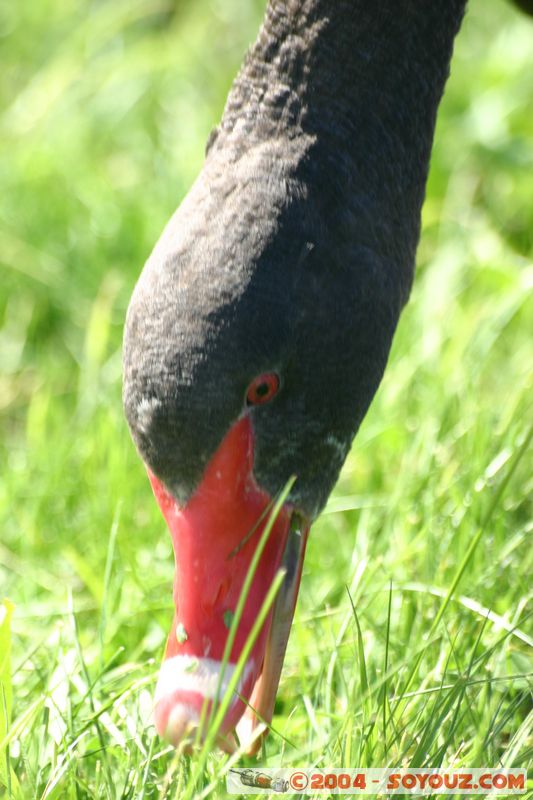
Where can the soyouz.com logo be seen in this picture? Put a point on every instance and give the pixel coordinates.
(481, 781)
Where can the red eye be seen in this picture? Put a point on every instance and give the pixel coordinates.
(262, 389)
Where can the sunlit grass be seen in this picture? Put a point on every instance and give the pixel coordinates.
(105, 111)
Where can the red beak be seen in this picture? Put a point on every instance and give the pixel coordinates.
(215, 537)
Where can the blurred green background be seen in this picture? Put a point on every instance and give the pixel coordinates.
(105, 108)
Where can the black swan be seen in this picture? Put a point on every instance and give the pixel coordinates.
(260, 327)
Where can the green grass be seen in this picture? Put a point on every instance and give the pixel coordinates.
(105, 108)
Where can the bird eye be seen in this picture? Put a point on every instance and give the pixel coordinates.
(262, 389)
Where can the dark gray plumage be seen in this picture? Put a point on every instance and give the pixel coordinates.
(294, 250)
